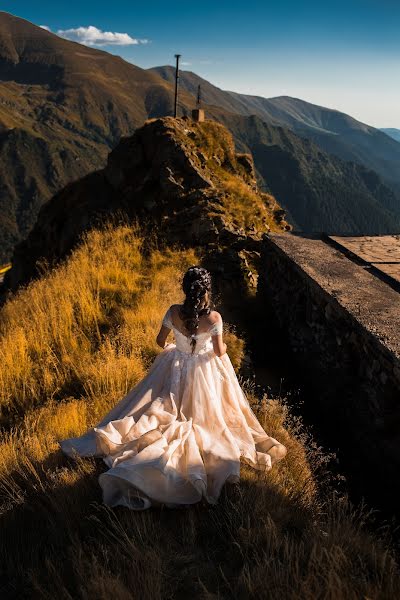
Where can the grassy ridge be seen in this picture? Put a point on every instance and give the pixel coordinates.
(71, 345)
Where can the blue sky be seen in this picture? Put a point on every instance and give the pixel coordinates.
(342, 54)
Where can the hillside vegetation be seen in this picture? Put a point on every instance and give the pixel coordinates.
(184, 180)
(64, 106)
(71, 345)
(319, 191)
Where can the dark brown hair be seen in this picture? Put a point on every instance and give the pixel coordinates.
(196, 283)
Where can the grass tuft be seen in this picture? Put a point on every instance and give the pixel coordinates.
(72, 344)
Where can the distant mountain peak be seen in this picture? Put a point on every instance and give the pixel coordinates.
(334, 131)
(392, 132)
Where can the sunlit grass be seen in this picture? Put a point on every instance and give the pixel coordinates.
(240, 204)
(245, 207)
(82, 326)
(72, 344)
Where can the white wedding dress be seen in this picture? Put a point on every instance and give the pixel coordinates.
(180, 433)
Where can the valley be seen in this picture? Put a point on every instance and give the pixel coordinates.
(64, 106)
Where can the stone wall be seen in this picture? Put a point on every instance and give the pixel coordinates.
(343, 327)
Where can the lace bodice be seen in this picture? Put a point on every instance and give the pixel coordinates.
(203, 340)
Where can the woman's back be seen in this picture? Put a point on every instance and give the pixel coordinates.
(209, 325)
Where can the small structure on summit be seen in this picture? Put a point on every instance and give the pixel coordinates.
(198, 113)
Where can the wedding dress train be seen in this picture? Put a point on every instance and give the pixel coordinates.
(180, 433)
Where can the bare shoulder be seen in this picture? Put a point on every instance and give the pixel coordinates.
(214, 317)
(174, 308)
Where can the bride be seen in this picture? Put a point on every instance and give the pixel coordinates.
(180, 433)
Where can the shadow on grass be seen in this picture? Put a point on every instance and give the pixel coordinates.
(54, 526)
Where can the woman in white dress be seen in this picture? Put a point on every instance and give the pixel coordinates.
(180, 433)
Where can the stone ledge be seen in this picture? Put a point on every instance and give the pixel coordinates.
(368, 299)
(342, 325)
(380, 252)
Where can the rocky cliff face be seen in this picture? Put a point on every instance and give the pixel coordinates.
(180, 179)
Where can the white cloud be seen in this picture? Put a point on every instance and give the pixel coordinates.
(45, 27)
(92, 36)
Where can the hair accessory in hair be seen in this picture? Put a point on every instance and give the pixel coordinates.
(196, 283)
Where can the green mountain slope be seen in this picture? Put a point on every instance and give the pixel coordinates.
(63, 106)
(178, 178)
(318, 190)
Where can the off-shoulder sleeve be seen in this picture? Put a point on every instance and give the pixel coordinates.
(167, 319)
(217, 328)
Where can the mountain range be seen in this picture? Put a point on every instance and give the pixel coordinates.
(334, 131)
(63, 106)
(319, 191)
(392, 132)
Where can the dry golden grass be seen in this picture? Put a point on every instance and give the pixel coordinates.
(241, 205)
(80, 328)
(5, 268)
(244, 206)
(85, 334)
(217, 143)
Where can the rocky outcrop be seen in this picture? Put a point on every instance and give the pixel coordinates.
(182, 180)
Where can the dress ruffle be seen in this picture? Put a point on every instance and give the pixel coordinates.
(178, 435)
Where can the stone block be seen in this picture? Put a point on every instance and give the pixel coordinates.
(198, 115)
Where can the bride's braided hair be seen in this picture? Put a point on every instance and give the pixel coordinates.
(196, 283)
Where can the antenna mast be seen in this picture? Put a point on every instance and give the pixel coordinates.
(198, 104)
(177, 56)
(198, 112)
